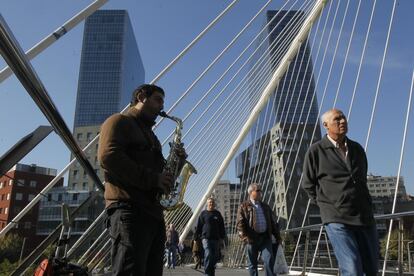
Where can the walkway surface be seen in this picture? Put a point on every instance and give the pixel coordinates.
(188, 271)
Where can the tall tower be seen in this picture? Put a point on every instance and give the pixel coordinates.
(290, 97)
(110, 69)
(275, 156)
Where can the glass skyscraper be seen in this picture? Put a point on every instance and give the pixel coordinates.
(296, 89)
(110, 68)
(280, 137)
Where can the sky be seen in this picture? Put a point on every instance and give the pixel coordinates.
(164, 28)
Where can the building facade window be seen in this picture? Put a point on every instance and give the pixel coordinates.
(19, 196)
(10, 182)
(8, 196)
(20, 182)
(30, 197)
(33, 183)
(27, 225)
(17, 210)
(76, 174)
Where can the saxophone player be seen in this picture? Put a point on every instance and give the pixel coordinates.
(131, 157)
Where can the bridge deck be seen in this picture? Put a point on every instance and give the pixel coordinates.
(188, 271)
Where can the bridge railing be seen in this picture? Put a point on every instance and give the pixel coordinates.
(313, 253)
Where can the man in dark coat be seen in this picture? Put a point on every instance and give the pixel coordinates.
(335, 178)
(172, 246)
(210, 229)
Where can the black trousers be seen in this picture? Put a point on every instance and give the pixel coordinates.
(137, 241)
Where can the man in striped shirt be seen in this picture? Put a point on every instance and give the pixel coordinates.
(256, 224)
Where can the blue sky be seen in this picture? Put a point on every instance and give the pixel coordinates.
(164, 28)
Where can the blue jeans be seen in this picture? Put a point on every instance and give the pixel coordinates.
(172, 256)
(262, 244)
(211, 254)
(356, 248)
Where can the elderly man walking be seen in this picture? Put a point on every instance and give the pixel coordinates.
(335, 178)
(256, 224)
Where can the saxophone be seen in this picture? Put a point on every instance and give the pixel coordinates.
(179, 167)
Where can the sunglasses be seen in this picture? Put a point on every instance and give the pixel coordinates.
(258, 190)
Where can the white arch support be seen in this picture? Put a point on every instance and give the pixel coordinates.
(274, 82)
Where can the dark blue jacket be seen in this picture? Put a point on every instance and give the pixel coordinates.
(210, 225)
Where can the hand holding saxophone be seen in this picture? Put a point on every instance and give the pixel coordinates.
(165, 182)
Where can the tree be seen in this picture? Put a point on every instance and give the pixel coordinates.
(393, 246)
(289, 244)
(6, 267)
(10, 247)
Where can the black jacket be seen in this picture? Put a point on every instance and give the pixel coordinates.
(210, 225)
(339, 187)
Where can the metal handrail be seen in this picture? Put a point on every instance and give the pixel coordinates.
(377, 217)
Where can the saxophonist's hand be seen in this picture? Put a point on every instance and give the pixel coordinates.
(165, 182)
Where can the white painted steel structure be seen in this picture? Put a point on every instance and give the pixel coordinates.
(265, 95)
(217, 124)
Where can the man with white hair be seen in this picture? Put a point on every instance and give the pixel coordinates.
(335, 178)
(256, 224)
